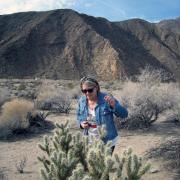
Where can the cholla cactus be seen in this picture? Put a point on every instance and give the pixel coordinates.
(133, 165)
(72, 157)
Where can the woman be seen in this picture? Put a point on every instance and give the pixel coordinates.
(96, 108)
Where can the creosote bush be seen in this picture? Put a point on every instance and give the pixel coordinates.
(70, 156)
(14, 116)
(19, 116)
(148, 98)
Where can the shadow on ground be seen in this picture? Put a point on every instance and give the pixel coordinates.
(31, 132)
(169, 151)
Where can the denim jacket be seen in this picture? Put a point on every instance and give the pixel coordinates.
(104, 114)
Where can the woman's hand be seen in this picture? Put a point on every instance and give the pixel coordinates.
(84, 124)
(110, 100)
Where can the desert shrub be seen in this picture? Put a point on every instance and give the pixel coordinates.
(37, 119)
(75, 93)
(177, 113)
(14, 116)
(147, 99)
(70, 156)
(70, 85)
(173, 115)
(61, 103)
(112, 85)
(19, 116)
(149, 76)
(21, 86)
(44, 95)
(51, 97)
(21, 165)
(108, 84)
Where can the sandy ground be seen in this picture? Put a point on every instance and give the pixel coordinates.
(12, 152)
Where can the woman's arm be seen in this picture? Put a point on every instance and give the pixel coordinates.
(119, 110)
(82, 123)
(115, 106)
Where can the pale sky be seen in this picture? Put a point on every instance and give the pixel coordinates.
(113, 10)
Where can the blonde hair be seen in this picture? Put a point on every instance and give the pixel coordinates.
(90, 81)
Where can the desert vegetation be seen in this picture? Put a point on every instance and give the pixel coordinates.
(71, 157)
(34, 106)
(149, 97)
(21, 165)
(53, 98)
(22, 112)
(14, 116)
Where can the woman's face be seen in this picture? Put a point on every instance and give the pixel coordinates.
(89, 91)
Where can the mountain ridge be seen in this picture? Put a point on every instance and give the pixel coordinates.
(64, 44)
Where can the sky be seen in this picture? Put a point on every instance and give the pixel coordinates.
(113, 10)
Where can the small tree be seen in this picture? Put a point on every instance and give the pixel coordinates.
(69, 156)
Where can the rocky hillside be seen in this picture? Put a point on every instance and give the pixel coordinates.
(63, 44)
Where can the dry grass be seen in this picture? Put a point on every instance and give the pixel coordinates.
(14, 115)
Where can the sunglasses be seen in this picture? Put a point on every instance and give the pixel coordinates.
(87, 90)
